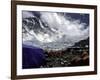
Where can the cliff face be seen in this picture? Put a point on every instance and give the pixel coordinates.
(32, 57)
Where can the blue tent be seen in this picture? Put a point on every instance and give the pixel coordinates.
(32, 57)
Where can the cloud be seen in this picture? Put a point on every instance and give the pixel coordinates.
(74, 30)
(66, 29)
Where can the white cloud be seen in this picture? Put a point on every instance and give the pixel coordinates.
(66, 30)
(73, 29)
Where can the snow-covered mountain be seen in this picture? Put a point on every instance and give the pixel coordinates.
(52, 30)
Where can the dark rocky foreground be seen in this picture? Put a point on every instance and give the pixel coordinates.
(77, 55)
(67, 58)
(34, 57)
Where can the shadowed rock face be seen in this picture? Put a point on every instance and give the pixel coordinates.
(33, 57)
